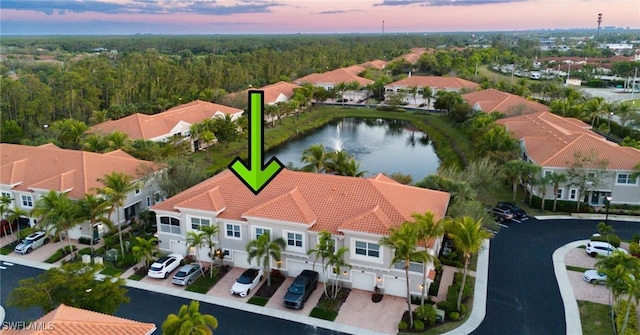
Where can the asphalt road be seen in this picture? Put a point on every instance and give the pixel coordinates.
(523, 297)
(154, 307)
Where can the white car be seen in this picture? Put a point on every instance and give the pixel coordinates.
(595, 248)
(165, 265)
(247, 281)
(594, 277)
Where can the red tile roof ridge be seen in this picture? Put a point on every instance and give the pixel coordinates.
(363, 222)
(281, 206)
(383, 178)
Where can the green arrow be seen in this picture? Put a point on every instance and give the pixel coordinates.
(254, 173)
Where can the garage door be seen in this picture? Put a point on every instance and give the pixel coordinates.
(363, 281)
(393, 286)
(240, 259)
(294, 268)
(177, 247)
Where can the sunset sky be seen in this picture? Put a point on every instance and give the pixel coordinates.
(73, 17)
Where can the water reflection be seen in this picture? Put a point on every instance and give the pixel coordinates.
(386, 146)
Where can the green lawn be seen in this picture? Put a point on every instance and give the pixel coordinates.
(594, 318)
(203, 284)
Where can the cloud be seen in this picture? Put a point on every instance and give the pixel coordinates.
(338, 11)
(204, 7)
(436, 3)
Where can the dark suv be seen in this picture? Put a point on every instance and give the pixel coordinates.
(518, 213)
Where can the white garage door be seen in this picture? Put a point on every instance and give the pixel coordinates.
(393, 286)
(363, 281)
(178, 247)
(240, 259)
(294, 268)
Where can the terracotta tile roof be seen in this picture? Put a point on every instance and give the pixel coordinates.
(378, 64)
(273, 91)
(65, 320)
(551, 141)
(326, 202)
(414, 54)
(491, 100)
(141, 126)
(436, 82)
(337, 76)
(48, 167)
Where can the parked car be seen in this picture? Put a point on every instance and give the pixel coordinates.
(502, 214)
(518, 212)
(32, 242)
(301, 288)
(594, 277)
(447, 247)
(247, 281)
(595, 248)
(165, 265)
(187, 274)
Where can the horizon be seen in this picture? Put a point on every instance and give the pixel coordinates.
(285, 17)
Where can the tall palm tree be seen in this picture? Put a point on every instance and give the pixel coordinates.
(195, 239)
(14, 215)
(5, 202)
(403, 240)
(623, 278)
(315, 157)
(95, 143)
(351, 168)
(145, 249)
(189, 321)
(543, 182)
(57, 212)
(337, 263)
(428, 229)
(468, 236)
(556, 180)
(427, 93)
(119, 140)
(264, 249)
(115, 188)
(323, 251)
(94, 209)
(209, 232)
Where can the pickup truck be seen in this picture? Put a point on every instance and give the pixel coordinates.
(301, 289)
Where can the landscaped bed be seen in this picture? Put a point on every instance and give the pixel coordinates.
(265, 292)
(204, 283)
(327, 308)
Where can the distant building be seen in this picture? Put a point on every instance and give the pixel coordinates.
(492, 100)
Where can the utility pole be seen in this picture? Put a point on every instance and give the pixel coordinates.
(599, 22)
(383, 26)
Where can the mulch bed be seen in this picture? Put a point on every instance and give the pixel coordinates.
(333, 304)
(266, 291)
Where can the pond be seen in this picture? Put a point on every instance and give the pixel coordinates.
(386, 146)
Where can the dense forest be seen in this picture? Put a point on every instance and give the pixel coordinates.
(74, 77)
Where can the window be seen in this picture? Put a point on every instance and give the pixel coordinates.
(294, 240)
(6, 195)
(547, 173)
(625, 179)
(27, 201)
(559, 194)
(573, 194)
(169, 225)
(157, 197)
(233, 230)
(260, 231)
(197, 223)
(367, 249)
(148, 201)
(137, 191)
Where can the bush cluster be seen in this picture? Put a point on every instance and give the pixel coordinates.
(59, 254)
(561, 205)
(632, 323)
(426, 314)
(613, 239)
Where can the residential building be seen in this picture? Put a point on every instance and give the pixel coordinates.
(435, 83)
(281, 91)
(28, 172)
(174, 122)
(297, 206)
(551, 141)
(66, 320)
(492, 100)
(344, 75)
(376, 64)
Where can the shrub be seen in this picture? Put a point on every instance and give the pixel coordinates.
(634, 248)
(59, 254)
(613, 239)
(463, 309)
(84, 240)
(418, 325)
(426, 313)
(454, 316)
(447, 306)
(632, 323)
(403, 325)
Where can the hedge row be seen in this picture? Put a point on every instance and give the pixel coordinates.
(632, 323)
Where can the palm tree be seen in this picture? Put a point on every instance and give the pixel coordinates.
(14, 215)
(336, 161)
(413, 91)
(513, 171)
(145, 250)
(58, 212)
(5, 202)
(195, 239)
(209, 232)
(623, 278)
(428, 229)
(189, 321)
(542, 184)
(94, 209)
(316, 158)
(351, 168)
(116, 188)
(468, 236)
(556, 180)
(264, 249)
(119, 140)
(323, 251)
(427, 93)
(336, 263)
(403, 240)
(95, 143)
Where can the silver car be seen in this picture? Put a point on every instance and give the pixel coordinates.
(594, 277)
(187, 274)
